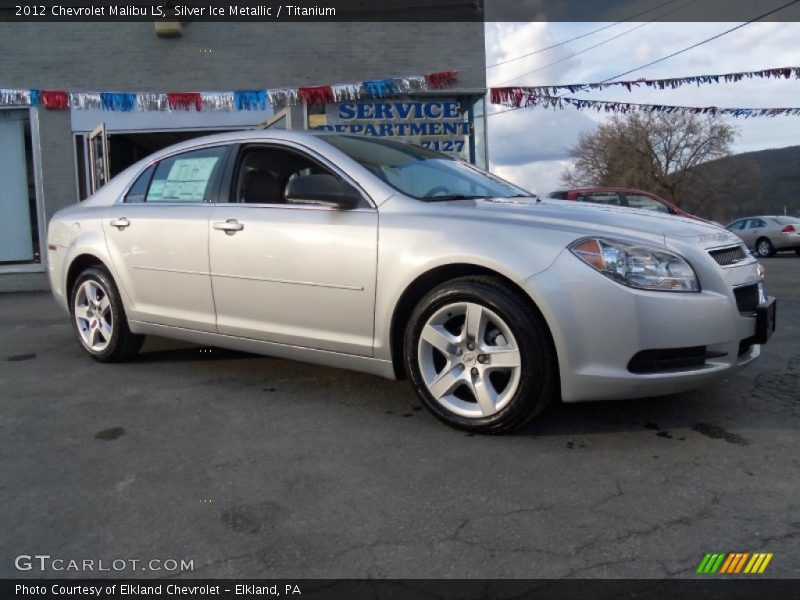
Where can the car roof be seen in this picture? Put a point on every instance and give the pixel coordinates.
(609, 189)
(242, 135)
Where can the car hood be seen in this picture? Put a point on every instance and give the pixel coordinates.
(590, 219)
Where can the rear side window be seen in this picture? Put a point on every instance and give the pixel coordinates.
(645, 202)
(138, 190)
(186, 177)
(610, 198)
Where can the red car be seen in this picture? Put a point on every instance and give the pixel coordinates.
(622, 197)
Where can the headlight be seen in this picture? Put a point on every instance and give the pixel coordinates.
(643, 267)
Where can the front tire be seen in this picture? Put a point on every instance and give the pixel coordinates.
(98, 318)
(479, 356)
(764, 248)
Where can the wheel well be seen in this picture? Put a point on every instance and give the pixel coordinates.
(424, 284)
(78, 266)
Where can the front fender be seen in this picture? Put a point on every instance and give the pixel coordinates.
(410, 247)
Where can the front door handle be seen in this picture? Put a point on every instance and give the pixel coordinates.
(230, 227)
(120, 223)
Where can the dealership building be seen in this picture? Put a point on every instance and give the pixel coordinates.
(52, 158)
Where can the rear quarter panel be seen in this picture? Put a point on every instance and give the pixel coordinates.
(73, 232)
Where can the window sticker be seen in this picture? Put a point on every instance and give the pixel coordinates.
(186, 182)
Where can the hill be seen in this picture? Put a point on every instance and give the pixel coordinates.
(766, 182)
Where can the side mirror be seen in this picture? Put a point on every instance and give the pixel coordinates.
(322, 189)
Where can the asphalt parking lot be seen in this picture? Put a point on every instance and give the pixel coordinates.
(259, 467)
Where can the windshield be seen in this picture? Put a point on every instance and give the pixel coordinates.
(787, 220)
(423, 173)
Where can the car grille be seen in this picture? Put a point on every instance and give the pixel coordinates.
(746, 297)
(729, 256)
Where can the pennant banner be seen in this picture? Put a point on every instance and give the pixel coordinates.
(234, 100)
(661, 84)
(522, 100)
(15, 97)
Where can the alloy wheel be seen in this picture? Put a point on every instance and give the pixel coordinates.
(469, 359)
(94, 316)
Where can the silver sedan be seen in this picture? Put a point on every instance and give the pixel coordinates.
(399, 261)
(769, 234)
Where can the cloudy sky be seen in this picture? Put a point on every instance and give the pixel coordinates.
(531, 146)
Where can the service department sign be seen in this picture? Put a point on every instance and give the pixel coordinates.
(437, 124)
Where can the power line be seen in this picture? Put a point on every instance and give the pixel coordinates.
(705, 41)
(566, 58)
(508, 60)
(611, 39)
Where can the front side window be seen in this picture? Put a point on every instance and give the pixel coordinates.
(186, 177)
(737, 225)
(645, 203)
(264, 172)
(421, 173)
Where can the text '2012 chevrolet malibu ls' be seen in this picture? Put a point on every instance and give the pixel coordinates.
(392, 259)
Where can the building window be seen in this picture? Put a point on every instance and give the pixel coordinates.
(19, 225)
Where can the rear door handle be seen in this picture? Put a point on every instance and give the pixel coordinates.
(120, 223)
(230, 227)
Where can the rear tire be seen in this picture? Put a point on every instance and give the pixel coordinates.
(479, 356)
(764, 248)
(98, 317)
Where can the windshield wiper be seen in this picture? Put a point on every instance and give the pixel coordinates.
(451, 197)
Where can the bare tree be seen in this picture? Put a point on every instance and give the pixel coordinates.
(661, 153)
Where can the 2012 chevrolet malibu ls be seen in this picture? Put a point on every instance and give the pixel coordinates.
(392, 259)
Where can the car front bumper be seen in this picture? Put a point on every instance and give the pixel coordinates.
(599, 326)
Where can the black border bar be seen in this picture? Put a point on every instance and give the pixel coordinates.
(187, 11)
(703, 586)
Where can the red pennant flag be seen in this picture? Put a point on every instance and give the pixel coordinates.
(316, 95)
(185, 101)
(440, 79)
(54, 100)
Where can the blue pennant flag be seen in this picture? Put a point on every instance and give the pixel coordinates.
(117, 101)
(250, 99)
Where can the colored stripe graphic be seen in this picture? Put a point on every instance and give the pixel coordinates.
(703, 563)
(741, 562)
(734, 563)
(711, 563)
(765, 563)
(729, 562)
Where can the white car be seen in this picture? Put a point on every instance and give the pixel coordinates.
(395, 260)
